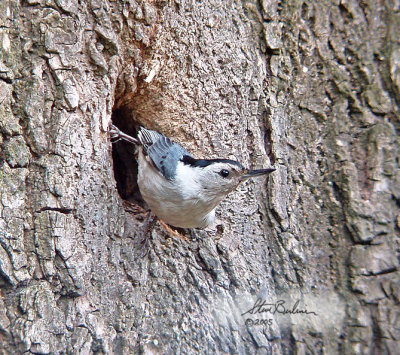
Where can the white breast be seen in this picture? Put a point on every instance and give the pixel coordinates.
(180, 203)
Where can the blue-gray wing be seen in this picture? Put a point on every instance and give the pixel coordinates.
(163, 152)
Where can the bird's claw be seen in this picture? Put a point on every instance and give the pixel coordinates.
(171, 231)
(116, 134)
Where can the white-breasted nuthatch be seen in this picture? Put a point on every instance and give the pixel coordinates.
(179, 189)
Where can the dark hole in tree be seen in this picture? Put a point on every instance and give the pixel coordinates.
(124, 158)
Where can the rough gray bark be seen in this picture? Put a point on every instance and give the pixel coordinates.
(310, 86)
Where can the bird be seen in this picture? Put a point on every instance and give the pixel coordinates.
(179, 189)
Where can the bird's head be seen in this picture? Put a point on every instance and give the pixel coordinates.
(218, 177)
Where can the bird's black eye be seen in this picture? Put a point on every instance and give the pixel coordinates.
(224, 173)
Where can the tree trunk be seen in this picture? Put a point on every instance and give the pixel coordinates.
(305, 263)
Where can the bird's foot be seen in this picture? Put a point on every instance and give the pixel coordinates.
(116, 134)
(146, 233)
(172, 232)
(134, 208)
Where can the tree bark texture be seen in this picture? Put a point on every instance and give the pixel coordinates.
(311, 87)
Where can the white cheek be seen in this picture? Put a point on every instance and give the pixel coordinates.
(187, 178)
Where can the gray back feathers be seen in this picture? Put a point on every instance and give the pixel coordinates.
(163, 152)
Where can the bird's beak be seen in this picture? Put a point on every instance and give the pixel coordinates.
(253, 173)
